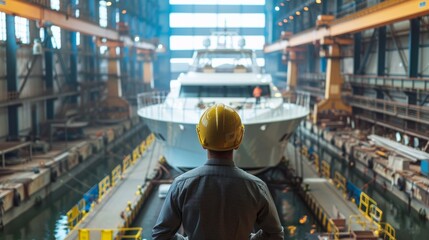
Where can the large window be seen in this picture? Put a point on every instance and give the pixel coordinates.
(189, 25)
(214, 20)
(222, 2)
(22, 31)
(103, 14)
(242, 91)
(55, 5)
(56, 34)
(196, 42)
(2, 26)
(77, 38)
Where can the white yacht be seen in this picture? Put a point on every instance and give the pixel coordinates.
(223, 75)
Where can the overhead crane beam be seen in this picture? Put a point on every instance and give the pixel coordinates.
(44, 15)
(382, 14)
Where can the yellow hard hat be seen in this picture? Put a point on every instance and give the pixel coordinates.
(220, 128)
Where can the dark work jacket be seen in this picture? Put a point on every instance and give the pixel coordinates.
(218, 201)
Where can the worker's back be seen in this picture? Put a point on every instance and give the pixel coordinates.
(221, 202)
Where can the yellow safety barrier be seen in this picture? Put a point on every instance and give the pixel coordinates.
(84, 234)
(340, 181)
(314, 156)
(75, 214)
(109, 234)
(106, 234)
(116, 175)
(389, 232)
(143, 147)
(316, 164)
(375, 213)
(103, 186)
(136, 154)
(304, 151)
(326, 169)
(132, 233)
(126, 163)
(333, 229)
(150, 139)
(365, 208)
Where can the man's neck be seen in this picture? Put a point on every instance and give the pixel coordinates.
(225, 155)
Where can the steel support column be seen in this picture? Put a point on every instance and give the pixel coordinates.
(356, 52)
(132, 76)
(338, 4)
(381, 57)
(148, 71)
(310, 59)
(92, 62)
(73, 59)
(334, 82)
(324, 7)
(292, 67)
(413, 46)
(141, 88)
(113, 108)
(125, 76)
(11, 76)
(49, 72)
(114, 81)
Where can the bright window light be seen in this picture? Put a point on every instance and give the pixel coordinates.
(22, 31)
(2, 26)
(221, 20)
(218, 2)
(77, 38)
(56, 34)
(103, 50)
(196, 42)
(55, 5)
(103, 14)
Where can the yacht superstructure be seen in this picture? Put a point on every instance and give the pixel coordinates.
(229, 76)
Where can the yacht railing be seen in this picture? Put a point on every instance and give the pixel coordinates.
(156, 105)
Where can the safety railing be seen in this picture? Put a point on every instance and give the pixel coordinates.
(401, 110)
(388, 82)
(340, 181)
(326, 169)
(317, 164)
(109, 234)
(387, 232)
(156, 105)
(79, 211)
(333, 230)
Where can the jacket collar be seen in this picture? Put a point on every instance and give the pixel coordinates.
(220, 162)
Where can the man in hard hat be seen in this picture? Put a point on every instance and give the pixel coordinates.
(218, 200)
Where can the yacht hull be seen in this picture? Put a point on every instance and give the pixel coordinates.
(262, 147)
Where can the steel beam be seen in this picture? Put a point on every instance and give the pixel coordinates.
(379, 15)
(44, 15)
